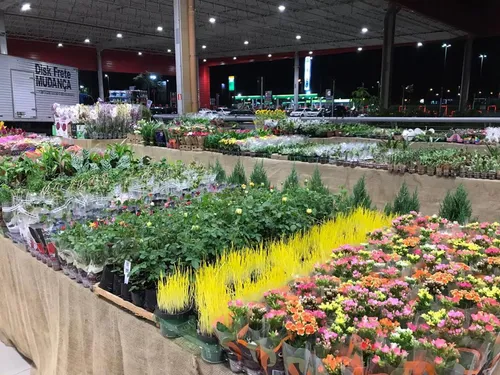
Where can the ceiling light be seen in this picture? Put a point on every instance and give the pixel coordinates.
(364, 30)
(448, 90)
(82, 87)
(298, 37)
(420, 44)
(87, 40)
(360, 49)
(446, 45)
(204, 46)
(153, 76)
(234, 58)
(211, 20)
(25, 7)
(269, 55)
(310, 52)
(245, 42)
(169, 50)
(60, 45)
(159, 28)
(119, 35)
(204, 60)
(281, 8)
(139, 53)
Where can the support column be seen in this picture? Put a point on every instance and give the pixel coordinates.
(466, 71)
(296, 82)
(205, 86)
(387, 55)
(3, 34)
(99, 75)
(185, 56)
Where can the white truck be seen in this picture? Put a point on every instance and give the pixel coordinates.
(29, 88)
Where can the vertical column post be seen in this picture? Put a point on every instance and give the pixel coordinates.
(296, 82)
(3, 34)
(466, 71)
(185, 56)
(387, 55)
(99, 74)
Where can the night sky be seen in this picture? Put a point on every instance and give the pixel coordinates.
(423, 67)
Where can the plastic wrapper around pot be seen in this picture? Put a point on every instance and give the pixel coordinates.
(300, 361)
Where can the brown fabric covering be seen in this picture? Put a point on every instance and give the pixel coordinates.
(67, 330)
(381, 185)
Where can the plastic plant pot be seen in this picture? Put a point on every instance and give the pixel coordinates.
(138, 298)
(212, 353)
(125, 292)
(170, 322)
(235, 365)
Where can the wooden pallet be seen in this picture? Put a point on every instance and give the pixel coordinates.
(130, 307)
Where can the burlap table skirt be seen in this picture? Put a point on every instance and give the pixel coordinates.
(64, 329)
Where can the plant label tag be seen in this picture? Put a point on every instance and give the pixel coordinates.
(127, 266)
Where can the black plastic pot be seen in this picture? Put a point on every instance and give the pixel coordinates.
(138, 298)
(125, 292)
(180, 317)
(107, 279)
(150, 302)
(207, 339)
(117, 285)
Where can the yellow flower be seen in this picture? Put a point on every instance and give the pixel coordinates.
(309, 211)
(239, 211)
(243, 186)
(252, 184)
(148, 224)
(284, 199)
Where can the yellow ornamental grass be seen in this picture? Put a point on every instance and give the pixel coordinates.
(247, 274)
(175, 292)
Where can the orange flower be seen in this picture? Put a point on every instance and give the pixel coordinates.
(441, 277)
(300, 329)
(388, 325)
(411, 241)
(310, 329)
(290, 326)
(421, 274)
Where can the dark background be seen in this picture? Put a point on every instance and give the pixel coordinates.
(422, 67)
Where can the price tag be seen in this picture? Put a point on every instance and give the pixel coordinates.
(127, 266)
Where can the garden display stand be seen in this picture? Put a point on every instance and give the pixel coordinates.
(130, 307)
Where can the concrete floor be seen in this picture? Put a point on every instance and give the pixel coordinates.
(12, 363)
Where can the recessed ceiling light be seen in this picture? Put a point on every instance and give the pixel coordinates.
(159, 28)
(310, 52)
(87, 40)
(281, 8)
(60, 45)
(25, 7)
(139, 53)
(119, 35)
(360, 49)
(420, 44)
(204, 60)
(234, 58)
(245, 42)
(169, 50)
(269, 55)
(204, 46)
(298, 37)
(364, 30)
(211, 20)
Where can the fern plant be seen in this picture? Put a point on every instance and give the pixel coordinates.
(259, 175)
(456, 206)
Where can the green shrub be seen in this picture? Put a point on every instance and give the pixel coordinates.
(456, 206)
(238, 176)
(360, 197)
(220, 173)
(404, 202)
(316, 184)
(292, 181)
(259, 175)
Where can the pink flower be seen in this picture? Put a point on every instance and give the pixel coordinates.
(376, 359)
(438, 360)
(439, 343)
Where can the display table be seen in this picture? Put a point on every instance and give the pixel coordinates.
(65, 329)
(381, 185)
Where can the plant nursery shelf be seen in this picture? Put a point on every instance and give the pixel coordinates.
(130, 307)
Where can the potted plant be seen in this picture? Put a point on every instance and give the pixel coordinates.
(174, 300)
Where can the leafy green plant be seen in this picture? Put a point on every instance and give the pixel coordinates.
(360, 197)
(404, 202)
(238, 176)
(259, 175)
(456, 206)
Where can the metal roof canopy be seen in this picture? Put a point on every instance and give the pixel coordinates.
(322, 24)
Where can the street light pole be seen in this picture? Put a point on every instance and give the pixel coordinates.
(482, 57)
(445, 46)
